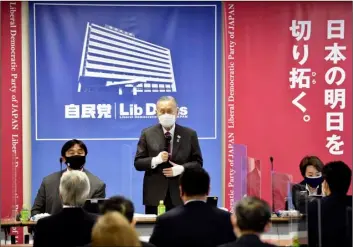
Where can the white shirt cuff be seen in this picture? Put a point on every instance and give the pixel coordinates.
(177, 170)
(156, 161)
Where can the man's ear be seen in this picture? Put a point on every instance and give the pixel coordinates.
(133, 223)
(268, 227)
(233, 219)
(181, 191)
(62, 159)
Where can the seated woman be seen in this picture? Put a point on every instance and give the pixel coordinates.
(310, 168)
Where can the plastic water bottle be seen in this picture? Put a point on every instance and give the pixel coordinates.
(296, 242)
(24, 214)
(161, 208)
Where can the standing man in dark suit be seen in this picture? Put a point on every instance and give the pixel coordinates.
(196, 223)
(73, 154)
(251, 218)
(72, 226)
(163, 152)
(330, 219)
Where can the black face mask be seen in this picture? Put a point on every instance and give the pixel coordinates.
(313, 181)
(76, 162)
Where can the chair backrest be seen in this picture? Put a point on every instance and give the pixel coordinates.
(94, 205)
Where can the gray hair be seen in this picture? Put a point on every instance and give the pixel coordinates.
(74, 188)
(167, 98)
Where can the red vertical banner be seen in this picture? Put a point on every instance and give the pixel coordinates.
(229, 65)
(290, 66)
(11, 113)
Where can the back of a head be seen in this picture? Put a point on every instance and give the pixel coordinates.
(119, 204)
(113, 230)
(338, 177)
(195, 182)
(74, 188)
(252, 214)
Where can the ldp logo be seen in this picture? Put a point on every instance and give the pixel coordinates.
(107, 65)
(145, 111)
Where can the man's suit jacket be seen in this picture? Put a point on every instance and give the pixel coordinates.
(336, 221)
(48, 198)
(70, 227)
(193, 224)
(186, 152)
(296, 189)
(248, 241)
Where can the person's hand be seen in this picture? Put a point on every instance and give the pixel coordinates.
(173, 171)
(160, 158)
(164, 156)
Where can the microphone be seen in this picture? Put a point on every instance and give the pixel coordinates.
(271, 160)
(168, 138)
(272, 186)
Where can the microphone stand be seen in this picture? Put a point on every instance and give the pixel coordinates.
(272, 186)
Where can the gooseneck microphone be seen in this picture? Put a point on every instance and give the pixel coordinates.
(272, 186)
(271, 160)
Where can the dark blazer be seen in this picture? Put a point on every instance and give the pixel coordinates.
(336, 221)
(248, 241)
(69, 227)
(186, 152)
(48, 198)
(296, 189)
(193, 224)
(143, 244)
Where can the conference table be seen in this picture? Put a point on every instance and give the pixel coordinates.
(281, 232)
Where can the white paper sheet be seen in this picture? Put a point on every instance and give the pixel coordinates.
(145, 216)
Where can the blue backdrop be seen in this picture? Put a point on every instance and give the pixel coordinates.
(97, 71)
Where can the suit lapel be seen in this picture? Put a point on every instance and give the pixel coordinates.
(92, 186)
(57, 203)
(176, 141)
(159, 142)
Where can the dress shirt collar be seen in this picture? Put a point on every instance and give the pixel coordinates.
(67, 169)
(312, 193)
(194, 200)
(66, 206)
(171, 131)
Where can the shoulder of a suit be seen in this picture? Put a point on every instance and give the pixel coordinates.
(177, 126)
(57, 176)
(93, 178)
(52, 176)
(180, 209)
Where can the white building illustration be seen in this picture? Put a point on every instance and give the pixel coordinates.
(114, 58)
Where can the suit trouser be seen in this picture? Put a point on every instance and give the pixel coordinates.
(167, 203)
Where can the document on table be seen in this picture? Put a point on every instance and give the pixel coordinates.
(145, 216)
(144, 238)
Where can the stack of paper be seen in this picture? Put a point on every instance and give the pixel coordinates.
(145, 216)
(145, 238)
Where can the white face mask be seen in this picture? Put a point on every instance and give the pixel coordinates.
(167, 120)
